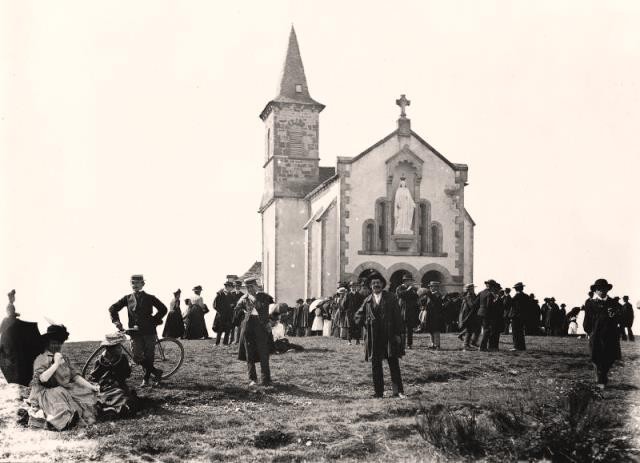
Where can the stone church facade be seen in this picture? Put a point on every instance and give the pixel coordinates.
(324, 225)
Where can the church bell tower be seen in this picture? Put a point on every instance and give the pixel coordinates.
(291, 171)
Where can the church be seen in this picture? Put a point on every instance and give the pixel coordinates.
(396, 208)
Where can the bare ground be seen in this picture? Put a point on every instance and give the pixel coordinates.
(461, 406)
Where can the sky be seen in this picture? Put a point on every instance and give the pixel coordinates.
(130, 140)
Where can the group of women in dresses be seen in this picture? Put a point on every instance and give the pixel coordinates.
(334, 316)
(61, 397)
(191, 325)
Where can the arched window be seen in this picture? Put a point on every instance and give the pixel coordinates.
(369, 236)
(381, 220)
(436, 238)
(423, 226)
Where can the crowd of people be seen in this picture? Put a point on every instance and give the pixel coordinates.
(359, 312)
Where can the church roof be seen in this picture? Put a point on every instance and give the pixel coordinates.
(293, 86)
(393, 134)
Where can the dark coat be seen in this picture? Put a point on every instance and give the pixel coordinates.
(140, 311)
(520, 306)
(434, 303)
(251, 349)
(174, 325)
(383, 327)
(408, 299)
(601, 320)
(223, 304)
(507, 302)
(352, 303)
(468, 312)
(488, 305)
(194, 323)
(627, 314)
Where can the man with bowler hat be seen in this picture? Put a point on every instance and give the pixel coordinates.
(520, 307)
(382, 320)
(601, 319)
(254, 331)
(142, 325)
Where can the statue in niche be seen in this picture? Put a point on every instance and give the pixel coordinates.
(404, 207)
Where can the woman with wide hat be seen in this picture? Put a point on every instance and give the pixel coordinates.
(601, 320)
(111, 371)
(63, 395)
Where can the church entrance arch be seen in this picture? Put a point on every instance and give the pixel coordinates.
(431, 275)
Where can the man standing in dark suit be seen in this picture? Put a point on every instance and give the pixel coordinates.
(468, 320)
(381, 318)
(223, 305)
(236, 294)
(506, 303)
(627, 319)
(254, 331)
(142, 326)
(520, 306)
(407, 294)
(488, 309)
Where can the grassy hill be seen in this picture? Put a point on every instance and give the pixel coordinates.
(461, 406)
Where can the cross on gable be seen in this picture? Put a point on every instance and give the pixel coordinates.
(403, 103)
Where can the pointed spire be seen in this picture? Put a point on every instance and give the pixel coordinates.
(293, 82)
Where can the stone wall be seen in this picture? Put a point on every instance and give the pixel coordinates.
(367, 182)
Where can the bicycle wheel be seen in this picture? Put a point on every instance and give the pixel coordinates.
(169, 356)
(86, 369)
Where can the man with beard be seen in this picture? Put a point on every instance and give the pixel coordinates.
(520, 306)
(407, 294)
(223, 305)
(255, 331)
(382, 321)
(488, 310)
(468, 321)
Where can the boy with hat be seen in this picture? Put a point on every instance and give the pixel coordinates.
(601, 319)
(142, 323)
(254, 331)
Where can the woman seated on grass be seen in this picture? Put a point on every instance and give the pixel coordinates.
(58, 391)
(111, 371)
(278, 344)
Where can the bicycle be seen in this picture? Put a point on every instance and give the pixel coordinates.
(168, 357)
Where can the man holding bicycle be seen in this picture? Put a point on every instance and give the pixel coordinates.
(142, 326)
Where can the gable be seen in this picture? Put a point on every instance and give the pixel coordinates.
(417, 137)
